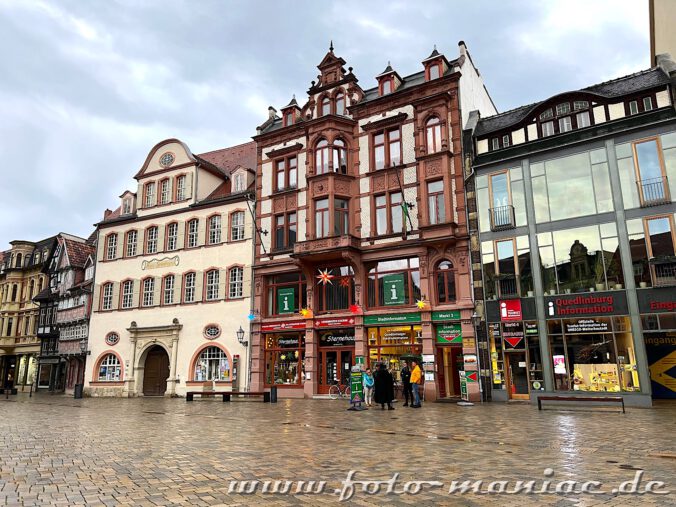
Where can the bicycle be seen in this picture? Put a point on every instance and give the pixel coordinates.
(339, 391)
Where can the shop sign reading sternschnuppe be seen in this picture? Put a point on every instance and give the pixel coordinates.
(395, 318)
(337, 338)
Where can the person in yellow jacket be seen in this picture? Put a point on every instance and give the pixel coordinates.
(416, 381)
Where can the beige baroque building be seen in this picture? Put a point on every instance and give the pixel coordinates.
(173, 277)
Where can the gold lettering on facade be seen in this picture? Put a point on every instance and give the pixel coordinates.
(166, 262)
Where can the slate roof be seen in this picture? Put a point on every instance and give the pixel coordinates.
(644, 80)
(228, 159)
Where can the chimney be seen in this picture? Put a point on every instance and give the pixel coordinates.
(463, 48)
(271, 112)
(106, 214)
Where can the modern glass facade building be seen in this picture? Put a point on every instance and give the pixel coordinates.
(571, 204)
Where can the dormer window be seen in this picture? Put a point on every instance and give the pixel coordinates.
(386, 87)
(545, 115)
(647, 104)
(495, 143)
(126, 206)
(288, 118)
(563, 108)
(239, 183)
(505, 141)
(434, 71)
(633, 107)
(583, 119)
(580, 104)
(565, 124)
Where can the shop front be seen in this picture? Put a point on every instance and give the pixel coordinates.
(450, 361)
(284, 354)
(392, 339)
(658, 320)
(591, 343)
(514, 346)
(336, 341)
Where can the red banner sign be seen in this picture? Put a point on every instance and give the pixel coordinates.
(510, 309)
(283, 326)
(335, 322)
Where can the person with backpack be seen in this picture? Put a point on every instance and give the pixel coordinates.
(416, 381)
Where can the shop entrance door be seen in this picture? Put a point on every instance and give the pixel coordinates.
(450, 363)
(156, 372)
(335, 366)
(517, 376)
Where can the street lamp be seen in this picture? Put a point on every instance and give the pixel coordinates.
(476, 320)
(83, 345)
(240, 337)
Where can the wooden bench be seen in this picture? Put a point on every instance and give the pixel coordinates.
(227, 394)
(601, 399)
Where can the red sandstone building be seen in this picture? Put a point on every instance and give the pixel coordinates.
(363, 249)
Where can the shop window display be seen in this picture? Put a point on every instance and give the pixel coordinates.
(212, 364)
(593, 354)
(284, 359)
(391, 345)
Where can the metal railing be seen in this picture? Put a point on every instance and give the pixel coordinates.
(665, 274)
(654, 191)
(502, 218)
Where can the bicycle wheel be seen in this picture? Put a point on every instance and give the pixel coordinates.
(347, 391)
(334, 392)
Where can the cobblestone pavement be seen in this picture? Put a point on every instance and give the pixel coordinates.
(154, 451)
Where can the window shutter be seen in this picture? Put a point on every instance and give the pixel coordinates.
(96, 295)
(161, 232)
(246, 281)
(119, 253)
(223, 284)
(136, 292)
(116, 296)
(101, 248)
(188, 185)
(202, 228)
(140, 197)
(171, 189)
(180, 240)
(157, 292)
(199, 283)
(178, 285)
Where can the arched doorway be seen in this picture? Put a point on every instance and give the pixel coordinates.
(155, 372)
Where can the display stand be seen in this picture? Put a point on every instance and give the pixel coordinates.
(356, 390)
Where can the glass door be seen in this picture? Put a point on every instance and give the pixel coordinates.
(517, 376)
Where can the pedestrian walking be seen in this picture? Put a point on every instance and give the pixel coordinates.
(384, 388)
(368, 387)
(406, 383)
(416, 381)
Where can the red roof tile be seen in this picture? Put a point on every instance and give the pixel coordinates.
(78, 252)
(229, 159)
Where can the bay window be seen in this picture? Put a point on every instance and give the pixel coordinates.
(433, 134)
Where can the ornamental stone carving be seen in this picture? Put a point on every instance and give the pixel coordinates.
(278, 204)
(433, 167)
(342, 187)
(379, 183)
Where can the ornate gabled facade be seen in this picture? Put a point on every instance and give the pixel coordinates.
(21, 279)
(362, 251)
(173, 275)
(572, 213)
(65, 306)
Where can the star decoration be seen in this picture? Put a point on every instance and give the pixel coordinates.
(421, 304)
(324, 277)
(345, 281)
(306, 312)
(251, 316)
(355, 309)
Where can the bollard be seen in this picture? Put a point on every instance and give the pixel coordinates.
(273, 394)
(77, 392)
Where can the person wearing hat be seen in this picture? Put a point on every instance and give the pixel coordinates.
(416, 380)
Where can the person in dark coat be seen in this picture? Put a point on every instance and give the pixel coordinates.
(384, 388)
(406, 383)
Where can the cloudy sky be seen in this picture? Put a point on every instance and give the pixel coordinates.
(88, 87)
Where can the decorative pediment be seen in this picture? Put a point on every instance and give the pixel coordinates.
(385, 122)
(168, 154)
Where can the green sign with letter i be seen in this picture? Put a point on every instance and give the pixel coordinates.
(393, 289)
(286, 300)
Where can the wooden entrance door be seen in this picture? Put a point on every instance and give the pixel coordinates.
(156, 372)
(518, 386)
(334, 367)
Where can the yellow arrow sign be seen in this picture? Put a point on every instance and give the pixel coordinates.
(658, 371)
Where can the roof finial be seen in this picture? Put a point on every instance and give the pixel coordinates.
(331, 46)
(389, 64)
(435, 47)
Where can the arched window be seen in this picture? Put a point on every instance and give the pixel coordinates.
(19, 258)
(445, 278)
(326, 106)
(110, 369)
(340, 103)
(15, 288)
(322, 157)
(339, 156)
(31, 287)
(433, 134)
(212, 364)
(236, 282)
